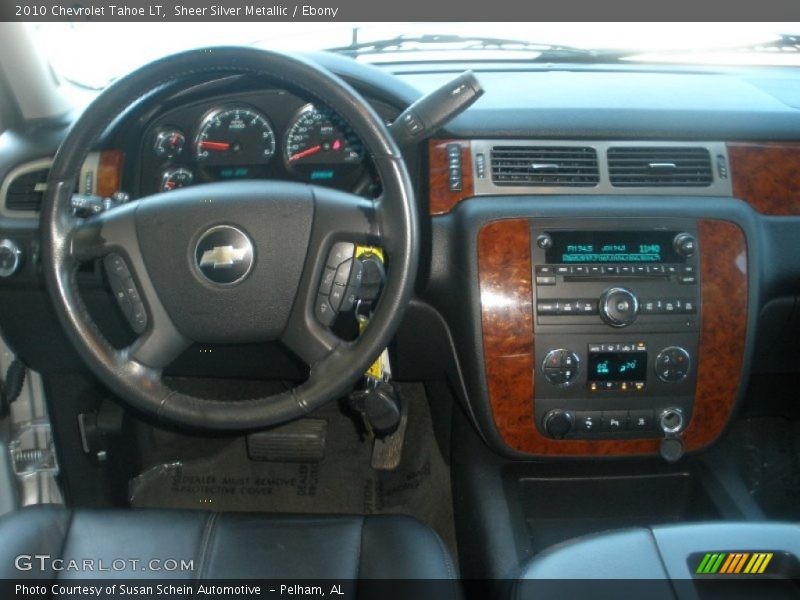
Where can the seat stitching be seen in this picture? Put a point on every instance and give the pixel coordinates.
(205, 543)
(360, 546)
(448, 563)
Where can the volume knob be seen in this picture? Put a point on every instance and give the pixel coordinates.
(618, 307)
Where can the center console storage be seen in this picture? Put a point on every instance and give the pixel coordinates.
(555, 509)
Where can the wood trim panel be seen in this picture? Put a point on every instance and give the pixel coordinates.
(505, 271)
(723, 329)
(109, 172)
(767, 176)
(442, 200)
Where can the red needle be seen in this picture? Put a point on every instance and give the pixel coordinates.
(307, 152)
(204, 145)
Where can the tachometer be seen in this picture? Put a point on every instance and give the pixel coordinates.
(235, 136)
(321, 147)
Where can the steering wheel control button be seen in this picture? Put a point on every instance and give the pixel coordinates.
(138, 318)
(340, 252)
(618, 307)
(343, 273)
(327, 280)
(125, 292)
(224, 255)
(10, 258)
(116, 267)
(324, 311)
(560, 366)
(336, 296)
(340, 284)
(672, 364)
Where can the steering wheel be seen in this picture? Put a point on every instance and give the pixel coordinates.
(279, 234)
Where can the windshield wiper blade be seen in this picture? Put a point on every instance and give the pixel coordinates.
(546, 52)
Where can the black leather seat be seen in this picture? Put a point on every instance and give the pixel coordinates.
(224, 545)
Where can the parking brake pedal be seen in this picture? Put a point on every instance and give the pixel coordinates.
(298, 441)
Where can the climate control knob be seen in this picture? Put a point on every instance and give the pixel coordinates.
(557, 423)
(672, 364)
(618, 307)
(560, 366)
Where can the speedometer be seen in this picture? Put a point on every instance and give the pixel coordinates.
(321, 147)
(234, 136)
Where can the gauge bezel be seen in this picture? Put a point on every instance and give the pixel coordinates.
(214, 112)
(307, 107)
(168, 173)
(164, 132)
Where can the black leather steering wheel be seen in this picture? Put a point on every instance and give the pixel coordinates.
(292, 228)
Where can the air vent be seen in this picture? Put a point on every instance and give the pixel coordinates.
(26, 190)
(660, 167)
(545, 166)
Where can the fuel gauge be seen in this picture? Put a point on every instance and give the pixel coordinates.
(169, 143)
(176, 178)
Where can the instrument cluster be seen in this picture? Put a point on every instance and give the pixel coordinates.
(255, 135)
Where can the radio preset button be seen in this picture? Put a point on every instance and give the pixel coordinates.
(547, 307)
(545, 280)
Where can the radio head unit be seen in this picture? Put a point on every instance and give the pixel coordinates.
(616, 307)
(607, 247)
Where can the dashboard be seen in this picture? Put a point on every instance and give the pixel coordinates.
(612, 178)
(260, 134)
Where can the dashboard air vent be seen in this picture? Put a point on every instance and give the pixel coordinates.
(545, 166)
(26, 190)
(660, 167)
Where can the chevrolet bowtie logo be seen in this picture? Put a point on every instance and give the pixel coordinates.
(223, 257)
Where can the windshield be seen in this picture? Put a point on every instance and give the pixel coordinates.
(93, 54)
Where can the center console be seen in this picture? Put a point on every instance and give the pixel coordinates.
(606, 336)
(616, 326)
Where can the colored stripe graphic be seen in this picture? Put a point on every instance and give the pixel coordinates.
(732, 563)
(767, 558)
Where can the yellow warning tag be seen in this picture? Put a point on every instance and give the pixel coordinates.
(376, 370)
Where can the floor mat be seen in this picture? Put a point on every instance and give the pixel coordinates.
(218, 475)
(767, 451)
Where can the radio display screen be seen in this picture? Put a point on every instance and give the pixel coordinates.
(585, 247)
(617, 366)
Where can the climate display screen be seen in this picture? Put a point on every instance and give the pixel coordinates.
(618, 366)
(585, 247)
